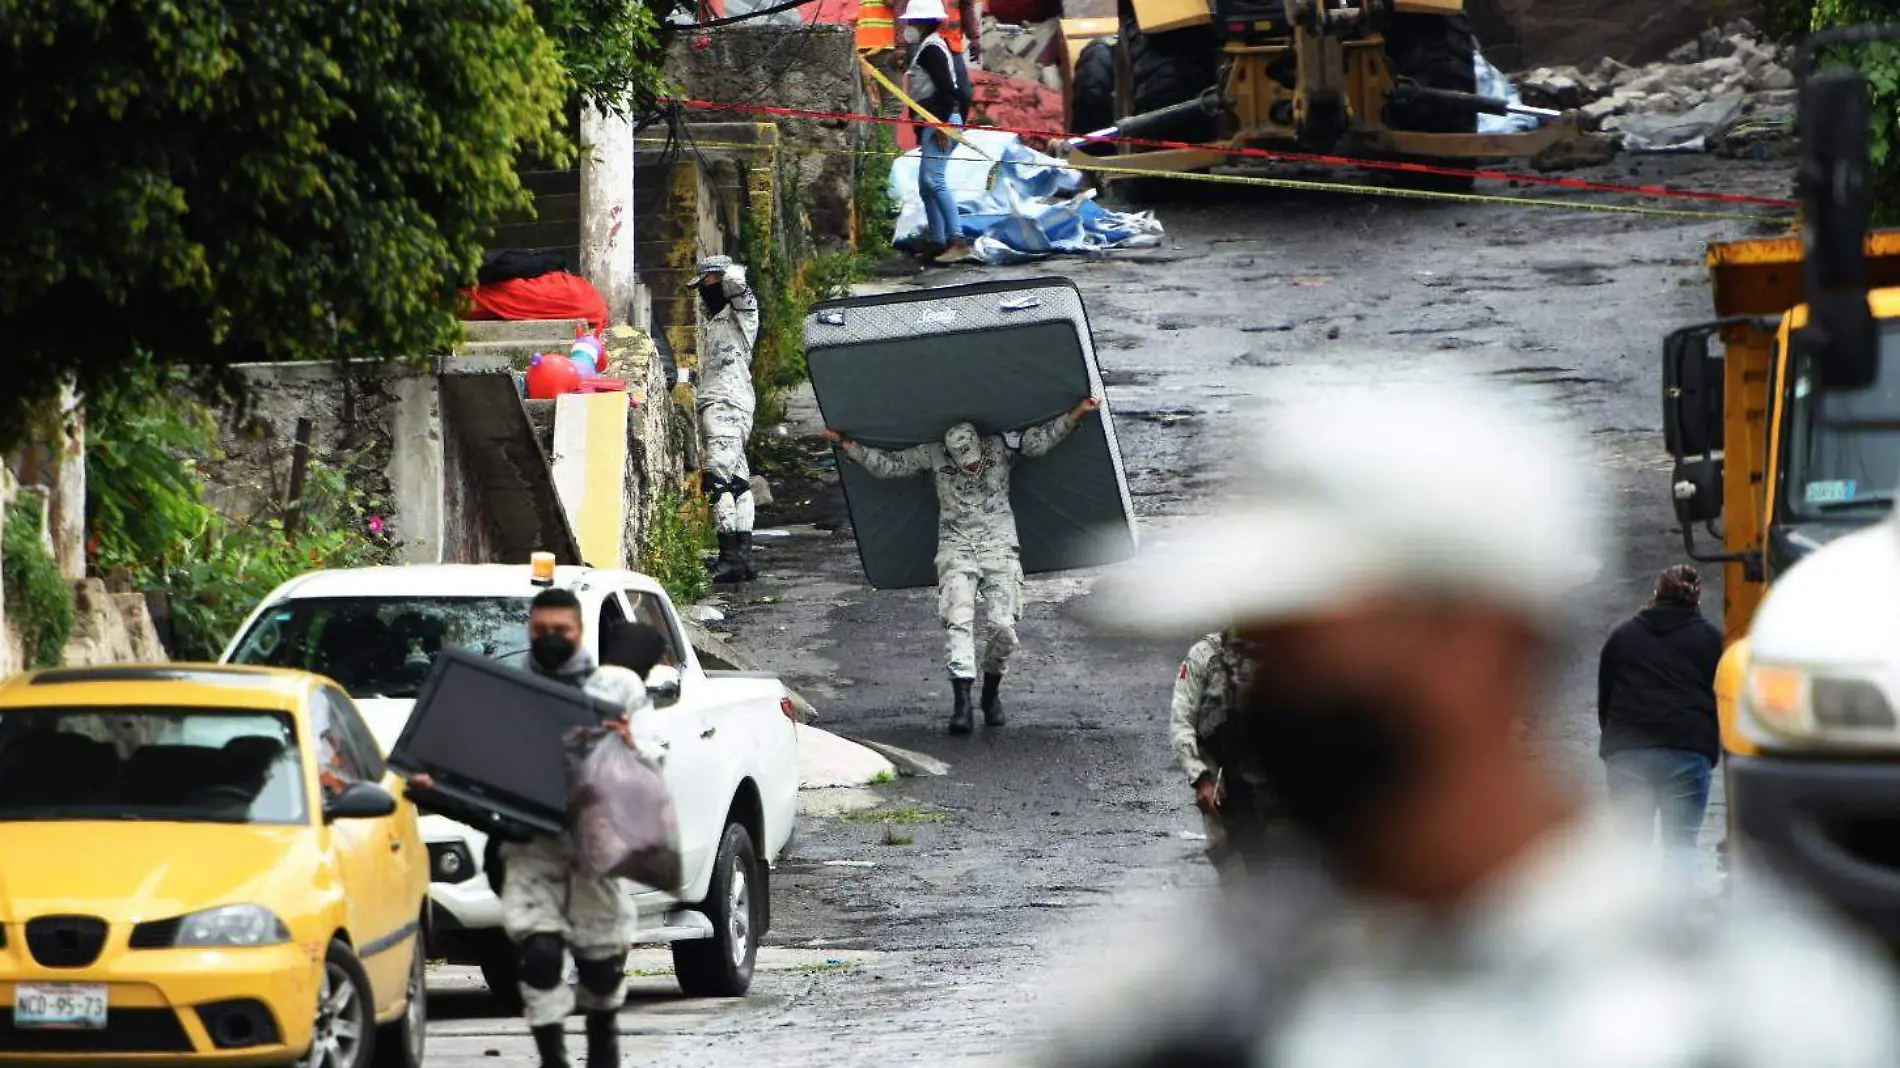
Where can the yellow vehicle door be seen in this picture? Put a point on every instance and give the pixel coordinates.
(377, 859)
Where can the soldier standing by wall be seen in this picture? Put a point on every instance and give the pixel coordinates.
(725, 402)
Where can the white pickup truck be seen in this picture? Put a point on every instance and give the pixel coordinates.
(729, 743)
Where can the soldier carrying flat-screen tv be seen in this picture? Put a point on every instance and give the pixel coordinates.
(977, 548)
(551, 904)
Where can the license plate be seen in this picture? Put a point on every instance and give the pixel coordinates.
(59, 1007)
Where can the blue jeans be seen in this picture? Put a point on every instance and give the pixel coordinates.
(940, 204)
(1670, 783)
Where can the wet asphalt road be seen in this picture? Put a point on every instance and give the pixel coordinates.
(951, 933)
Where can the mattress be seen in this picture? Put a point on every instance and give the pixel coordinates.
(897, 370)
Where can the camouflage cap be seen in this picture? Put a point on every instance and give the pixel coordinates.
(709, 265)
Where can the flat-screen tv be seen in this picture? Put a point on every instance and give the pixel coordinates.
(490, 736)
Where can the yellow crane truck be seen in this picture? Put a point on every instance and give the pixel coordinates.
(1378, 78)
(1790, 439)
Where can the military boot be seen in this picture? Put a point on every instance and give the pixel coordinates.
(750, 561)
(992, 704)
(603, 1040)
(731, 566)
(961, 720)
(551, 1043)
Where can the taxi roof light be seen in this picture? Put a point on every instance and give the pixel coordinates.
(541, 568)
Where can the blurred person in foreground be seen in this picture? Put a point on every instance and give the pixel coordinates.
(1401, 569)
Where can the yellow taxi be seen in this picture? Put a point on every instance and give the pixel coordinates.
(204, 862)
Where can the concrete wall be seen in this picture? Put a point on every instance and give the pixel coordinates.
(354, 418)
(809, 67)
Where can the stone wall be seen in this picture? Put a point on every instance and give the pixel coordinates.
(352, 412)
(814, 68)
(1519, 34)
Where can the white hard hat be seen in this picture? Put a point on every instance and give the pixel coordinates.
(924, 11)
(1440, 487)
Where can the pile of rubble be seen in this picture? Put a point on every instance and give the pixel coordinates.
(1021, 52)
(1724, 82)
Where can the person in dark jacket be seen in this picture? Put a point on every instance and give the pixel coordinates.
(1656, 706)
(936, 85)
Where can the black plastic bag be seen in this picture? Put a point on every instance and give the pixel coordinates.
(619, 816)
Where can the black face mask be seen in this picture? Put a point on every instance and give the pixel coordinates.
(551, 651)
(1336, 763)
(714, 294)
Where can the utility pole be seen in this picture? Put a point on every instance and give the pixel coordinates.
(607, 248)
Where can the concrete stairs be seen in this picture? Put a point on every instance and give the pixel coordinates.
(513, 344)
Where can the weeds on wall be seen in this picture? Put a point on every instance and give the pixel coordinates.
(679, 529)
(148, 516)
(789, 278)
(39, 601)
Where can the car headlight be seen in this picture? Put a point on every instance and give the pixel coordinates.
(232, 925)
(450, 862)
(1792, 701)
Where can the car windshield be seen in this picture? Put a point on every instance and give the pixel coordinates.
(1843, 453)
(149, 763)
(382, 646)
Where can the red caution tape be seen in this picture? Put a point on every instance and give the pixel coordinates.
(1655, 191)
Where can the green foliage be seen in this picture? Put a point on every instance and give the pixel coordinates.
(1880, 62)
(222, 570)
(611, 49)
(872, 201)
(39, 601)
(203, 182)
(678, 530)
(147, 514)
(143, 492)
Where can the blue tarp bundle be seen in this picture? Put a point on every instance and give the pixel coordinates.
(1018, 204)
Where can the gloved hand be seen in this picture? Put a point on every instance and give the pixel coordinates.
(956, 120)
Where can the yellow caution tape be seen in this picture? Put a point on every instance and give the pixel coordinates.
(1292, 183)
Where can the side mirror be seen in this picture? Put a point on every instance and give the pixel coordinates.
(360, 801)
(664, 692)
(1833, 178)
(1698, 491)
(1692, 393)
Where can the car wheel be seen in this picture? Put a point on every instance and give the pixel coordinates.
(721, 966)
(345, 1034)
(399, 1043)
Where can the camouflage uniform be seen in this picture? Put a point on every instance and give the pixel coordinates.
(1200, 730)
(724, 397)
(545, 893)
(1582, 954)
(977, 551)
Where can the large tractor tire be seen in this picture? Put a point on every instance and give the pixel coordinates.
(1438, 52)
(1172, 68)
(1092, 94)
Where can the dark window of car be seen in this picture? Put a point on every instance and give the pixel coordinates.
(611, 616)
(382, 646)
(647, 609)
(364, 752)
(338, 762)
(192, 765)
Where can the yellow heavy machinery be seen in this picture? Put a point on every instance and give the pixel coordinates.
(1376, 78)
(1791, 440)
